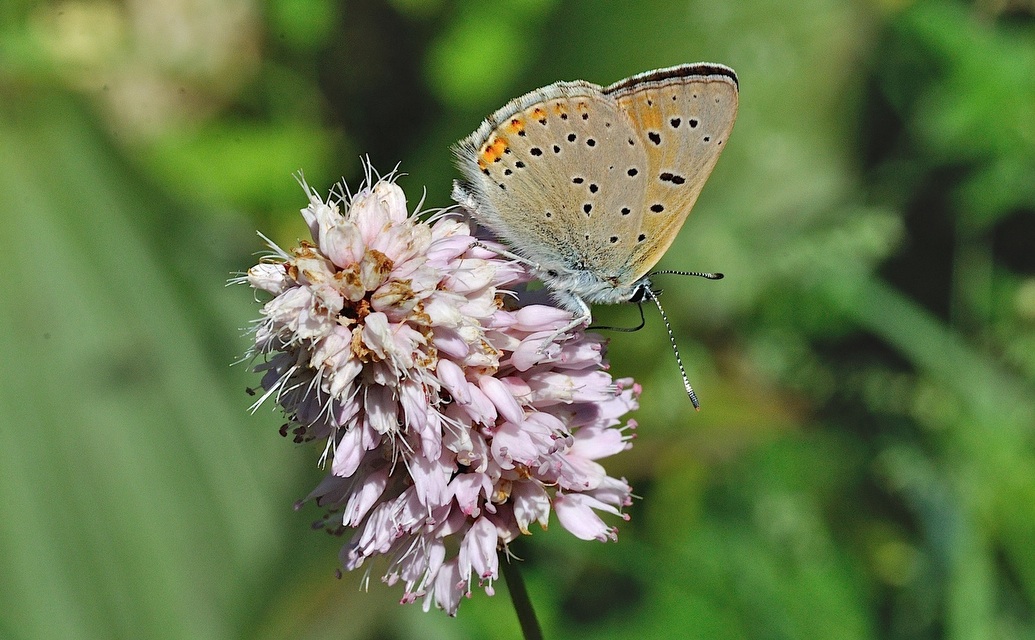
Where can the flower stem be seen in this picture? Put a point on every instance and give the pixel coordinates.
(522, 605)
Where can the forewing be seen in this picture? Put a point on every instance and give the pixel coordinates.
(683, 117)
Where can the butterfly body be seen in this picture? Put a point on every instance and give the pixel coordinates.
(590, 185)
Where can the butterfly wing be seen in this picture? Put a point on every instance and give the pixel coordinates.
(683, 115)
(558, 174)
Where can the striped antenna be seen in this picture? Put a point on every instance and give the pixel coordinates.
(699, 274)
(672, 338)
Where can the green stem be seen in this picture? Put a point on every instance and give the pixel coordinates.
(522, 605)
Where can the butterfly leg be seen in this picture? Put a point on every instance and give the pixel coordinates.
(503, 253)
(581, 317)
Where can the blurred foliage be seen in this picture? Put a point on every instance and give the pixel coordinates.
(864, 464)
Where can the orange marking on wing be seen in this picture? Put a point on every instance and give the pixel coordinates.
(650, 117)
(494, 150)
(647, 117)
(500, 145)
(517, 125)
(486, 156)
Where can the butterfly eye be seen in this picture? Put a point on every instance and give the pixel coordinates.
(639, 295)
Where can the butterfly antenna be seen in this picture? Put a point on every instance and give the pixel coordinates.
(699, 274)
(672, 339)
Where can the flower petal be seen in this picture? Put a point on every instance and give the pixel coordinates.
(478, 550)
(575, 513)
(502, 399)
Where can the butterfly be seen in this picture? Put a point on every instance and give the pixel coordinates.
(590, 185)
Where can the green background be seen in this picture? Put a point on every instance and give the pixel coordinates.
(863, 466)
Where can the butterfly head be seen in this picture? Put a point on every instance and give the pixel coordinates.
(641, 291)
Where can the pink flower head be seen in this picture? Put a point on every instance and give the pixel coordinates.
(448, 428)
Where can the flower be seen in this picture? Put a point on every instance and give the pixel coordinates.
(449, 426)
